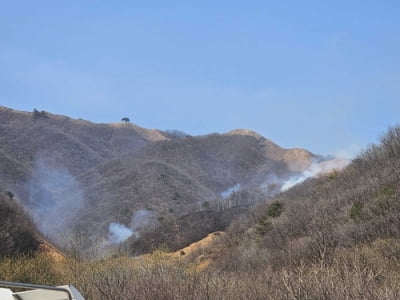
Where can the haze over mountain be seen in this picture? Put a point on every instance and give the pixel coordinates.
(109, 182)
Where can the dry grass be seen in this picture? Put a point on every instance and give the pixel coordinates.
(364, 272)
(120, 168)
(333, 237)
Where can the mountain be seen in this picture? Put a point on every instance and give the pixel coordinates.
(75, 144)
(77, 177)
(18, 234)
(335, 236)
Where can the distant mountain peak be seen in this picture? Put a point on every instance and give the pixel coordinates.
(120, 168)
(247, 132)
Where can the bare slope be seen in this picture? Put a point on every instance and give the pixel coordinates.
(183, 181)
(332, 237)
(73, 144)
(76, 175)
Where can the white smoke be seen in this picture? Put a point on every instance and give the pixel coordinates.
(271, 186)
(315, 170)
(118, 233)
(55, 197)
(141, 219)
(349, 152)
(230, 191)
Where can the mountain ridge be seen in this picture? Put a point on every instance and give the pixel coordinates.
(104, 173)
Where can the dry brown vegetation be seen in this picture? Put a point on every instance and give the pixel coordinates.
(87, 175)
(334, 237)
(18, 234)
(363, 272)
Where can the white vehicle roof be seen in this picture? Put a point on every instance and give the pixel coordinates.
(38, 292)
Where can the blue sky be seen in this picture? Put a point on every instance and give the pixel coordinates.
(323, 75)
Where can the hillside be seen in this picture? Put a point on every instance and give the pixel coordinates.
(335, 237)
(89, 176)
(18, 234)
(178, 178)
(74, 144)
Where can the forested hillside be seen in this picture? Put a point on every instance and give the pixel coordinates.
(333, 237)
(107, 182)
(18, 234)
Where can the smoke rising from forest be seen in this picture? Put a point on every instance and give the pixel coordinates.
(56, 197)
(118, 233)
(316, 169)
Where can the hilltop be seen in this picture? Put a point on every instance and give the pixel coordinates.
(333, 236)
(87, 176)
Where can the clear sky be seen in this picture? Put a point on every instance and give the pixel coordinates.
(323, 75)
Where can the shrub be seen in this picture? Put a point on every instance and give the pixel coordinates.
(38, 269)
(275, 209)
(355, 212)
(263, 226)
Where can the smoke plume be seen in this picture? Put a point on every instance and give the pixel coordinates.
(316, 169)
(230, 191)
(118, 233)
(55, 197)
(141, 219)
